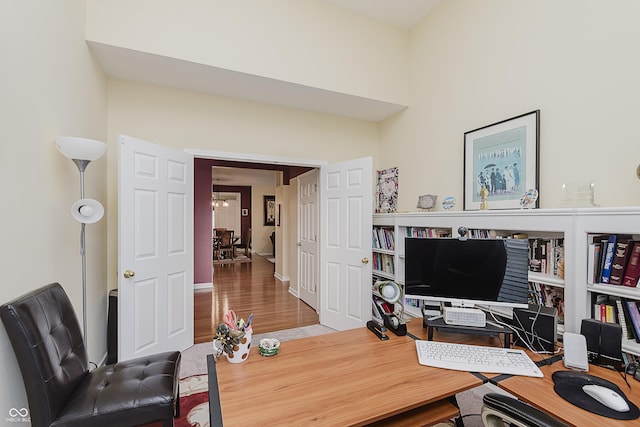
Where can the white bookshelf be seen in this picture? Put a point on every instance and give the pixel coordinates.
(535, 223)
(576, 226)
(592, 222)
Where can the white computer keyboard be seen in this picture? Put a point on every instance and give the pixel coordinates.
(473, 358)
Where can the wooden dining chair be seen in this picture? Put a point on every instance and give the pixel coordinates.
(225, 244)
(245, 244)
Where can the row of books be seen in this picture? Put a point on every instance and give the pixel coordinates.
(623, 311)
(547, 296)
(547, 256)
(384, 238)
(427, 232)
(613, 259)
(383, 262)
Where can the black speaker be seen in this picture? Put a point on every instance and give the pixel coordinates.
(112, 328)
(590, 328)
(604, 342)
(538, 326)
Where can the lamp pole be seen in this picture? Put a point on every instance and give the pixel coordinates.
(82, 165)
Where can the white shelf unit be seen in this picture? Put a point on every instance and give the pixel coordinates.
(535, 223)
(383, 249)
(592, 222)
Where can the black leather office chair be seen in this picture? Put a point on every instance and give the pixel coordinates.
(498, 409)
(46, 338)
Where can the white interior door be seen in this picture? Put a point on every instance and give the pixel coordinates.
(308, 259)
(155, 249)
(346, 218)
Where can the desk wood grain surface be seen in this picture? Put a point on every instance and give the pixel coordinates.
(346, 378)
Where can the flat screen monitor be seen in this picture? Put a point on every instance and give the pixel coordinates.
(466, 272)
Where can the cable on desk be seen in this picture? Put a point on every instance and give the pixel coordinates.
(517, 331)
(409, 334)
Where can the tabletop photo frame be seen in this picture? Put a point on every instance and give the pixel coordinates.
(504, 157)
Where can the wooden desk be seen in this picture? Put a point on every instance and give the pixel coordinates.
(539, 392)
(348, 378)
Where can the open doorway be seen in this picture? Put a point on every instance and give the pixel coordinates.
(217, 180)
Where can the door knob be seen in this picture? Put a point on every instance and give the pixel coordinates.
(128, 274)
(299, 244)
(365, 260)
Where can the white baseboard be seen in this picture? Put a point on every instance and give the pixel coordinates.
(202, 286)
(293, 292)
(281, 277)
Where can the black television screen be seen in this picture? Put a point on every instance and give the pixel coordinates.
(466, 272)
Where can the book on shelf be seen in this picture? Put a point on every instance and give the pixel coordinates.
(427, 232)
(634, 316)
(604, 309)
(608, 258)
(383, 263)
(625, 320)
(547, 256)
(620, 257)
(593, 262)
(602, 242)
(383, 238)
(547, 296)
(632, 269)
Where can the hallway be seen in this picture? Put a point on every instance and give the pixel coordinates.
(249, 288)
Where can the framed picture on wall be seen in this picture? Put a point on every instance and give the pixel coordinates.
(245, 212)
(269, 210)
(501, 162)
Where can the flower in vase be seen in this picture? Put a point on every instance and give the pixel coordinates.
(228, 337)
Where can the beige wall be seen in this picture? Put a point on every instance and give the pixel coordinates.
(307, 42)
(474, 63)
(260, 242)
(50, 85)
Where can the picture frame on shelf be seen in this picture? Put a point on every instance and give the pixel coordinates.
(504, 157)
(269, 210)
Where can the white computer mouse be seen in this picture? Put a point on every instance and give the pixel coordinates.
(607, 397)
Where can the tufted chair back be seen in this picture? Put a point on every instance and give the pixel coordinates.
(48, 343)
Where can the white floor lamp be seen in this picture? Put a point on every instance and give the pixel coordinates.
(87, 211)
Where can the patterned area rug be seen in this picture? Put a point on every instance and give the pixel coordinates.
(239, 259)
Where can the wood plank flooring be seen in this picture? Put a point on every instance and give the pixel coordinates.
(249, 288)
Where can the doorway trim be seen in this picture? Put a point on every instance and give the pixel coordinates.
(254, 158)
(249, 158)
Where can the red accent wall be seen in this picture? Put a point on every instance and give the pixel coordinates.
(202, 245)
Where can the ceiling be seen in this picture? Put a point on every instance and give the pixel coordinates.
(404, 14)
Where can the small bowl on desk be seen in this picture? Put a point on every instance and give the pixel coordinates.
(269, 347)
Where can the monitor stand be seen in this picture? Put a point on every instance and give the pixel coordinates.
(490, 330)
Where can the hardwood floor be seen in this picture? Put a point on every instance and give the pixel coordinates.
(249, 288)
